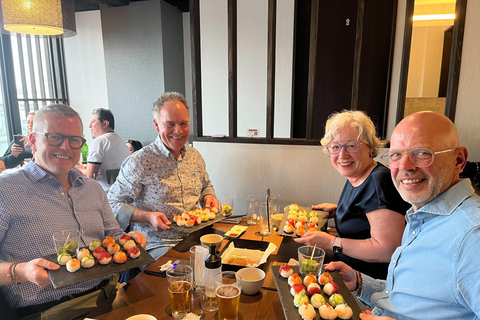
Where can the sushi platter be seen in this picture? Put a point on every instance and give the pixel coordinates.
(187, 230)
(287, 300)
(62, 278)
(321, 224)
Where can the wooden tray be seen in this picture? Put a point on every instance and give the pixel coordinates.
(289, 309)
(63, 278)
(321, 226)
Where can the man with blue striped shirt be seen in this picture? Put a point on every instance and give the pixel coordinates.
(48, 196)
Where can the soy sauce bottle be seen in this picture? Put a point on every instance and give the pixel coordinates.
(213, 266)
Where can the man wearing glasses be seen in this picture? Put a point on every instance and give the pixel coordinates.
(46, 197)
(434, 274)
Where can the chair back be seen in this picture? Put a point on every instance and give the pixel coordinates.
(112, 175)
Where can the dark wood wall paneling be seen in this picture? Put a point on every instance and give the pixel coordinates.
(337, 64)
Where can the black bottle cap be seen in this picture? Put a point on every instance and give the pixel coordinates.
(213, 261)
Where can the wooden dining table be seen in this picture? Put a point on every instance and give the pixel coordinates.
(148, 294)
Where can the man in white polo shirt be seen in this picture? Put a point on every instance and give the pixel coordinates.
(108, 149)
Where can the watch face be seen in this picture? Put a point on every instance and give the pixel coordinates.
(337, 250)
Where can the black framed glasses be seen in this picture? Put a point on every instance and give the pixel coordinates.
(55, 139)
(419, 157)
(351, 146)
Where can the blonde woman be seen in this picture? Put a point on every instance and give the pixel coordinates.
(370, 213)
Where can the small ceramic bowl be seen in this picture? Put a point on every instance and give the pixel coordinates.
(252, 280)
(142, 317)
(277, 218)
(209, 239)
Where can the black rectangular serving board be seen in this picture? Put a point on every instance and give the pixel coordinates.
(63, 278)
(321, 226)
(244, 244)
(218, 217)
(289, 309)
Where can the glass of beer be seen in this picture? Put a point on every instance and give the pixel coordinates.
(227, 290)
(180, 280)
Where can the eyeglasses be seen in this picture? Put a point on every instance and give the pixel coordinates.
(351, 146)
(55, 139)
(420, 157)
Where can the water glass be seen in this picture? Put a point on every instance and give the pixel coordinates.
(274, 204)
(227, 291)
(198, 254)
(180, 280)
(251, 203)
(266, 220)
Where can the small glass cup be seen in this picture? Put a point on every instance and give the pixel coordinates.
(274, 204)
(180, 280)
(227, 291)
(67, 241)
(198, 254)
(310, 263)
(251, 203)
(266, 220)
(227, 207)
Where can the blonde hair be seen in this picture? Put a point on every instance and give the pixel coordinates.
(357, 120)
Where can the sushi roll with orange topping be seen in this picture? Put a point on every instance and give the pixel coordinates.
(108, 240)
(120, 257)
(310, 278)
(301, 230)
(288, 228)
(113, 248)
(294, 279)
(325, 278)
(73, 265)
(189, 223)
(180, 222)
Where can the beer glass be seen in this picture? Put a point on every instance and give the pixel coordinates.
(180, 280)
(227, 290)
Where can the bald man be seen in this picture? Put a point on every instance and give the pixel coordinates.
(435, 273)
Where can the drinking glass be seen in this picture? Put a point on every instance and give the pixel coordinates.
(274, 204)
(251, 203)
(265, 218)
(227, 290)
(67, 241)
(198, 254)
(180, 280)
(310, 263)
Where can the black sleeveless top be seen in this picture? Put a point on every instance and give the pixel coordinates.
(376, 192)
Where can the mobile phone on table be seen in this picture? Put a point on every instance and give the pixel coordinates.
(19, 141)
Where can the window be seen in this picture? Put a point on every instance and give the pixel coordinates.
(32, 76)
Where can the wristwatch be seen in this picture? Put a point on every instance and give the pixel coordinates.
(337, 246)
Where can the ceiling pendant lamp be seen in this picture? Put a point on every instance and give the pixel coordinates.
(54, 18)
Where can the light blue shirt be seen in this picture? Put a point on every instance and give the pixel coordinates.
(435, 273)
(34, 206)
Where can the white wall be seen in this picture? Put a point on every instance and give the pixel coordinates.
(85, 65)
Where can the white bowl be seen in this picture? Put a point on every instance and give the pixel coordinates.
(213, 238)
(252, 280)
(142, 317)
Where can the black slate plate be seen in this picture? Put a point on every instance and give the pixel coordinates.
(321, 226)
(62, 278)
(187, 230)
(289, 309)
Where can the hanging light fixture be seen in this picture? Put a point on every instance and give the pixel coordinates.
(54, 18)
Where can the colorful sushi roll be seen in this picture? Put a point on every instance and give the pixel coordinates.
(88, 262)
(120, 257)
(133, 252)
(73, 265)
(104, 258)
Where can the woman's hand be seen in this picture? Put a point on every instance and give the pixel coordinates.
(331, 208)
(320, 238)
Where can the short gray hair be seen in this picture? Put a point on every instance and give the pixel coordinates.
(357, 120)
(168, 96)
(58, 109)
